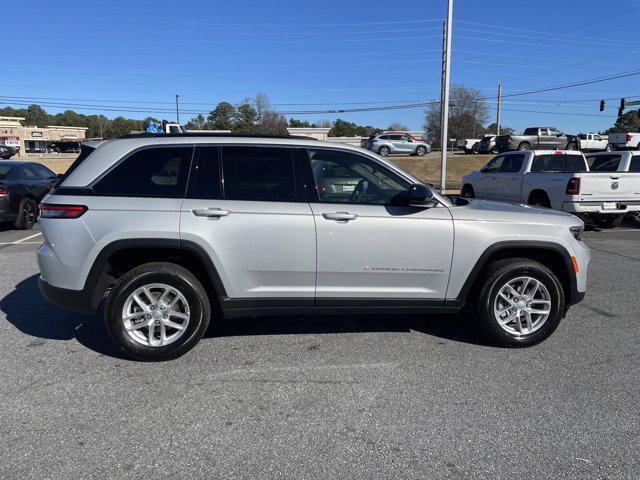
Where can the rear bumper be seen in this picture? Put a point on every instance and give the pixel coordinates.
(78, 300)
(598, 207)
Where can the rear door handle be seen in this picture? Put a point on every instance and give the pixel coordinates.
(340, 216)
(210, 212)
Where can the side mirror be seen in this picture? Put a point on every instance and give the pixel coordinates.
(420, 196)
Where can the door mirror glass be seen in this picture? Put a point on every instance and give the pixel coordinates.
(420, 196)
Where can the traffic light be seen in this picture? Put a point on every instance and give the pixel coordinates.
(621, 109)
(602, 105)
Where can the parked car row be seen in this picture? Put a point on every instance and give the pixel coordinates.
(602, 187)
(7, 151)
(22, 187)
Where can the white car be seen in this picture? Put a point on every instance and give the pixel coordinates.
(468, 144)
(593, 142)
(558, 179)
(625, 141)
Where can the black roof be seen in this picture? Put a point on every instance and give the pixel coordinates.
(213, 134)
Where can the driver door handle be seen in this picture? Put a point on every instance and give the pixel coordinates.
(340, 216)
(210, 212)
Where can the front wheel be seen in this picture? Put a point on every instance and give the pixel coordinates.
(157, 311)
(520, 303)
(607, 221)
(421, 151)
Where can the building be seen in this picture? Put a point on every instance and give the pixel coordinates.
(36, 140)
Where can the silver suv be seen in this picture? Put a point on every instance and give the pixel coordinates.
(173, 230)
(395, 143)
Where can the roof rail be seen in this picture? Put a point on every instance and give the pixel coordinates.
(212, 134)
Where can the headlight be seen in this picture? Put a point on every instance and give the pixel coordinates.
(577, 232)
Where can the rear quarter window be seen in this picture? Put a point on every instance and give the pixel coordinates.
(634, 166)
(151, 172)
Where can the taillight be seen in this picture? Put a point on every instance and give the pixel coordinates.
(573, 187)
(48, 210)
(629, 137)
(4, 191)
(320, 188)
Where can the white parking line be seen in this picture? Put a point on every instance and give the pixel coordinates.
(23, 240)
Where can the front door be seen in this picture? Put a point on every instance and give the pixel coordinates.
(371, 245)
(260, 237)
(508, 178)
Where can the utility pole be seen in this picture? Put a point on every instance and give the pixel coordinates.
(177, 109)
(499, 102)
(446, 73)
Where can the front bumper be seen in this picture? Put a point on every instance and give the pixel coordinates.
(599, 207)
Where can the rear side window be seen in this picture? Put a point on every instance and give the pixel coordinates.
(558, 163)
(531, 131)
(258, 173)
(206, 174)
(634, 166)
(151, 172)
(43, 171)
(604, 163)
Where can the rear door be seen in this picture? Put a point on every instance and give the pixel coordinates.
(508, 178)
(245, 210)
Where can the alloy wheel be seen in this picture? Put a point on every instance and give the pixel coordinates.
(522, 306)
(156, 315)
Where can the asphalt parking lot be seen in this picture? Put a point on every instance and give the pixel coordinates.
(326, 397)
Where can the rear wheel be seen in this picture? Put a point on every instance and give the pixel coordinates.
(635, 217)
(383, 151)
(607, 148)
(539, 199)
(572, 146)
(520, 303)
(157, 311)
(607, 221)
(421, 151)
(27, 214)
(524, 146)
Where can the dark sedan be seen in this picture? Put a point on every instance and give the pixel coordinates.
(6, 152)
(22, 186)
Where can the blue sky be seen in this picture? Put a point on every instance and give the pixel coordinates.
(341, 54)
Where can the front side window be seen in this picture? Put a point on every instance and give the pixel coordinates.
(511, 163)
(344, 177)
(151, 172)
(493, 165)
(258, 173)
(554, 131)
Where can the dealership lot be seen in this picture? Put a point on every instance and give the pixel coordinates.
(326, 397)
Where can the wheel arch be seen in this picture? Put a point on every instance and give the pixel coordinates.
(538, 192)
(550, 254)
(120, 256)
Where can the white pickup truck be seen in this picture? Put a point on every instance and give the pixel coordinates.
(624, 141)
(468, 144)
(558, 179)
(593, 142)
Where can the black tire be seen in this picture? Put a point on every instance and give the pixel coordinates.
(572, 146)
(166, 273)
(635, 218)
(607, 221)
(607, 148)
(494, 277)
(540, 200)
(468, 192)
(421, 151)
(524, 146)
(384, 151)
(27, 214)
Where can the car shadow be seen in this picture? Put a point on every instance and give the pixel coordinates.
(30, 313)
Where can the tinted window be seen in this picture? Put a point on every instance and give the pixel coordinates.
(634, 166)
(558, 163)
(152, 172)
(206, 174)
(493, 165)
(511, 163)
(531, 131)
(343, 177)
(603, 163)
(258, 173)
(43, 171)
(395, 137)
(4, 171)
(24, 172)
